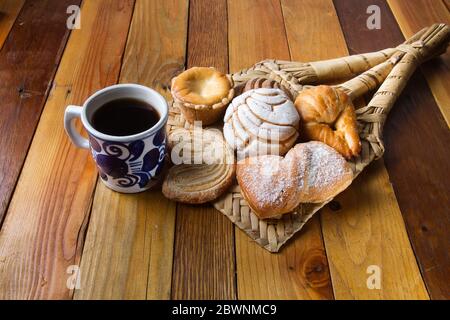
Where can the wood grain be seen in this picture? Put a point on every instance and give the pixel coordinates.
(299, 271)
(44, 229)
(416, 163)
(312, 42)
(447, 4)
(413, 16)
(128, 248)
(204, 247)
(9, 10)
(28, 62)
(129, 244)
(348, 271)
(367, 230)
(256, 32)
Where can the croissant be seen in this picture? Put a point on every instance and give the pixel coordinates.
(328, 115)
(310, 172)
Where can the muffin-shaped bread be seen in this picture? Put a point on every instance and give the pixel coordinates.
(261, 121)
(202, 94)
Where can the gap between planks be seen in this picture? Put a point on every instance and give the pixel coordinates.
(414, 15)
(368, 220)
(204, 254)
(9, 11)
(40, 236)
(299, 270)
(129, 244)
(426, 216)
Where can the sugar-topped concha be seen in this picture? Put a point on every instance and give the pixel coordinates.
(261, 121)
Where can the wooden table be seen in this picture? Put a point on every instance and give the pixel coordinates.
(57, 218)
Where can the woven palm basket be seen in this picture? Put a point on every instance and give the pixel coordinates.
(389, 70)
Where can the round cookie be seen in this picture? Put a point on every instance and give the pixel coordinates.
(204, 166)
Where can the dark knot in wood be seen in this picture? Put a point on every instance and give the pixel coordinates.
(315, 269)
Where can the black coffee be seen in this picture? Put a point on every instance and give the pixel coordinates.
(124, 117)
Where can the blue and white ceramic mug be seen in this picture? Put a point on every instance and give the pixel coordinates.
(126, 164)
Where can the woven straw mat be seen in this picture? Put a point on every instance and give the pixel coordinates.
(273, 233)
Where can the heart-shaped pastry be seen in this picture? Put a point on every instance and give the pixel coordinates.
(310, 172)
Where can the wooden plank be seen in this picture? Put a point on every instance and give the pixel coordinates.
(9, 10)
(413, 16)
(204, 246)
(366, 232)
(128, 248)
(348, 274)
(44, 229)
(28, 62)
(447, 4)
(129, 244)
(312, 42)
(404, 158)
(256, 32)
(300, 270)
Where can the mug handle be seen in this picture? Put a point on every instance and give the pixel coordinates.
(70, 114)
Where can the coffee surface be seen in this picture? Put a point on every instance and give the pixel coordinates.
(124, 117)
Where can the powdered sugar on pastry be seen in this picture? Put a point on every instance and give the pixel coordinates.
(310, 172)
(267, 182)
(327, 173)
(326, 166)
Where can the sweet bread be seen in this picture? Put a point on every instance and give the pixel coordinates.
(261, 121)
(202, 94)
(257, 83)
(327, 114)
(310, 172)
(204, 166)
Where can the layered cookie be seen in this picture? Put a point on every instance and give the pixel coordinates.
(202, 94)
(261, 121)
(204, 166)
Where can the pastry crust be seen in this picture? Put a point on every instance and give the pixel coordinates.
(310, 173)
(206, 169)
(257, 83)
(261, 121)
(328, 115)
(202, 94)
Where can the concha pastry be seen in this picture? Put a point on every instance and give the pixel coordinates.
(202, 94)
(204, 166)
(261, 121)
(257, 83)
